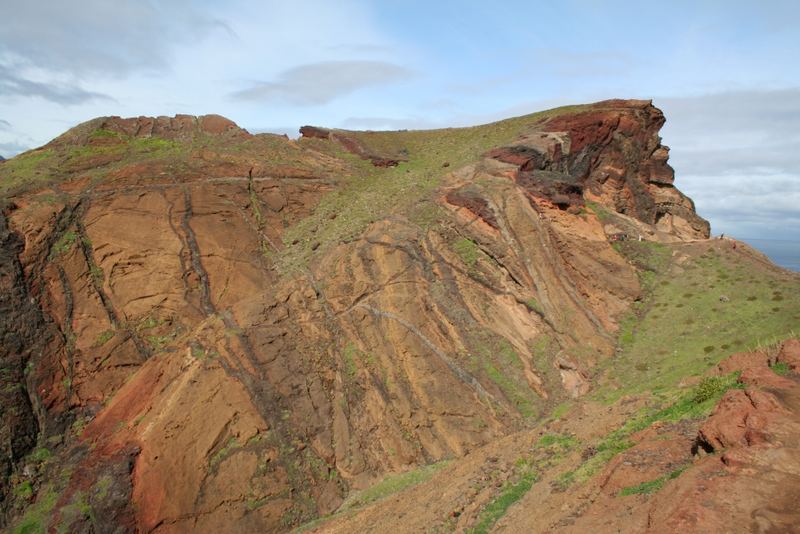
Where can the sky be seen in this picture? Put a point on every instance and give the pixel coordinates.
(725, 73)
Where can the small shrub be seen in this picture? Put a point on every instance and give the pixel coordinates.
(40, 455)
(781, 368)
(533, 306)
(63, 244)
(24, 490)
(714, 386)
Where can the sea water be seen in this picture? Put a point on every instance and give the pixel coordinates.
(783, 252)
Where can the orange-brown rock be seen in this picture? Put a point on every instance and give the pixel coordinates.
(205, 356)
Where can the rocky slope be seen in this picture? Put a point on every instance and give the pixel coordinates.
(205, 329)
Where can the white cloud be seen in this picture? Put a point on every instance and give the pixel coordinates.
(322, 82)
(737, 154)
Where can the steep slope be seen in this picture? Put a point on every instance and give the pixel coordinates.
(225, 331)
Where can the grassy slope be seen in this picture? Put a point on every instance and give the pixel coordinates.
(371, 193)
(708, 303)
(98, 153)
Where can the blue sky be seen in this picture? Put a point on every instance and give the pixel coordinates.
(725, 74)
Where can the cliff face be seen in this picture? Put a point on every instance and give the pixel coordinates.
(211, 329)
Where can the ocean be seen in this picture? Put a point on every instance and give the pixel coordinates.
(783, 252)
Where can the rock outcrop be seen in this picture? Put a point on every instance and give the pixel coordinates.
(184, 330)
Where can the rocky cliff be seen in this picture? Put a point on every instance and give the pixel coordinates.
(207, 329)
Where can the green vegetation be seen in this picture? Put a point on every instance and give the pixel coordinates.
(88, 156)
(36, 515)
(63, 244)
(349, 357)
(468, 251)
(97, 274)
(104, 337)
(77, 509)
(102, 486)
(694, 313)
(102, 133)
(557, 442)
(602, 213)
(370, 193)
(40, 455)
(392, 484)
(651, 486)
(511, 493)
(158, 343)
(548, 451)
(28, 168)
(497, 359)
(781, 368)
(534, 306)
(561, 410)
(224, 452)
(23, 490)
(694, 404)
(712, 387)
(154, 146)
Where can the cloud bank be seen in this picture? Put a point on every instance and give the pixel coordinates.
(323, 82)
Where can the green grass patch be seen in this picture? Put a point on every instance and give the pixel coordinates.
(561, 410)
(495, 358)
(23, 490)
(651, 486)
(102, 133)
(103, 338)
(712, 387)
(349, 356)
(63, 244)
(781, 368)
(600, 211)
(468, 251)
(694, 404)
(511, 493)
(534, 306)
(97, 274)
(690, 312)
(366, 193)
(558, 442)
(40, 455)
(154, 146)
(392, 484)
(30, 167)
(36, 515)
(78, 509)
(224, 452)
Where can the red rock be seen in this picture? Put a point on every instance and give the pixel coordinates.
(790, 354)
(475, 204)
(315, 132)
(740, 419)
(742, 360)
